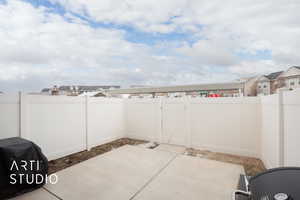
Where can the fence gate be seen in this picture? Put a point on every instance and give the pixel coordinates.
(174, 122)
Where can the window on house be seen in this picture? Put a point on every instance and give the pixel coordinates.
(260, 87)
(265, 86)
(292, 83)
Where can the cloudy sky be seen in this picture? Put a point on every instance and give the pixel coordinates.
(143, 42)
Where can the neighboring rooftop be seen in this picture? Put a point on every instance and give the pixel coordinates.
(46, 90)
(180, 88)
(88, 87)
(82, 88)
(273, 75)
(298, 67)
(139, 86)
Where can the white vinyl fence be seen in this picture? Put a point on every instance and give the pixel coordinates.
(57, 124)
(62, 125)
(270, 137)
(9, 116)
(105, 120)
(291, 128)
(229, 125)
(142, 117)
(265, 127)
(281, 129)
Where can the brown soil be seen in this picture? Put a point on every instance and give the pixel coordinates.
(70, 160)
(252, 166)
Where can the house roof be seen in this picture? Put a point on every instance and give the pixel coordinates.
(91, 94)
(289, 72)
(45, 90)
(298, 67)
(273, 75)
(180, 88)
(263, 78)
(89, 87)
(247, 79)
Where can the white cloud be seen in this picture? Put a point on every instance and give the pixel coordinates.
(148, 15)
(209, 52)
(42, 48)
(254, 68)
(249, 25)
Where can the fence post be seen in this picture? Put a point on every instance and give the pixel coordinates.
(23, 115)
(187, 122)
(281, 127)
(87, 123)
(161, 120)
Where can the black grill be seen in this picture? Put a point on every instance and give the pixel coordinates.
(274, 184)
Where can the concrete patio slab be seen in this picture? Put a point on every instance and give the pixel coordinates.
(118, 174)
(193, 178)
(132, 172)
(40, 194)
(171, 148)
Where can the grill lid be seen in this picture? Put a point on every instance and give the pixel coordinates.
(277, 184)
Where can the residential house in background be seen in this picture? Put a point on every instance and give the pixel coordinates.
(1, 92)
(230, 89)
(93, 94)
(54, 90)
(83, 90)
(46, 91)
(290, 79)
(49, 91)
(269, 84)
(250, 84)
(76, 90)
(139, 86)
